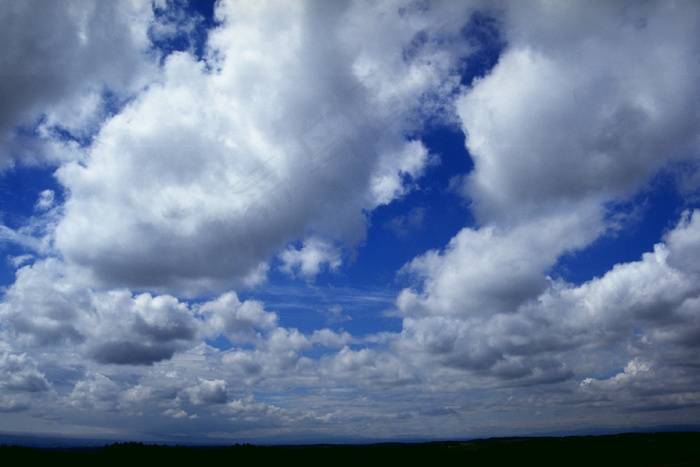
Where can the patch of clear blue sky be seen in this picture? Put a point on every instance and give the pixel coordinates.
(204, 8)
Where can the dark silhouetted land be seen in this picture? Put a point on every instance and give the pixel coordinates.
(634, 449)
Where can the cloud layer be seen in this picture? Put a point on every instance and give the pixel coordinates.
(194, 177)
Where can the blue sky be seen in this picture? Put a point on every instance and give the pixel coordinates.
(284, 222)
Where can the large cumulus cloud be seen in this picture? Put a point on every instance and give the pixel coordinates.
(294, 125)
(587, 101)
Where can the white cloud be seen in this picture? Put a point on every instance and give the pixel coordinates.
(117, 326)
(19, 373)
(644, 311)
(308, 260)
(569, 120)
(367, 368)
(209, 392)
(56, 52)
(95, 391)
(221, 163)
(334, 314)
(683, 244)
(139, 330)
(56, 306)
(45, 201)
(175, 413)
(493, 270)
(35, 233)
(587, 106)
(388, 183)
(330, 339)
(239, 322)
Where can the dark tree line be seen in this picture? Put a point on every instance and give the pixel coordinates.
(653, 449)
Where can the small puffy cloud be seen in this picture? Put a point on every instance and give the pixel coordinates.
(95, 391)
(239, 321)
(140, 330)
(208, 392)
(492, 270)
(248, 410)
(245, 363)
(389, 181)
(632, 369)
(367, 368)
(55, 306)
(334, 314)
(684, 244)
(175, 413)
(282, 341)
(275, 358)
(20, 260)
(330, 339)
(45, 201)
(307, 261)
(35, 233)
(19, 373)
